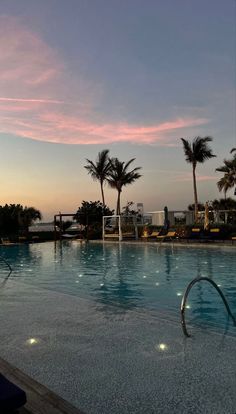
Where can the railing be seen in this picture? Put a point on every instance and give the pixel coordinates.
(184, 299)
(8, 265)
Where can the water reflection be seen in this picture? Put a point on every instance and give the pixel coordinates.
(118, 289)
(208, 307)
(169, 261)
(130, 276)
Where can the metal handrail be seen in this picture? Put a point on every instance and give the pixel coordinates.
(8, 265)
(183, 303)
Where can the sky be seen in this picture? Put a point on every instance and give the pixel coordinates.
(131, 76)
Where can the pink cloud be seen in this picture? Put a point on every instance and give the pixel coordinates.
(62, 128)
(39, 99)
(185, 177)
(31, 100)
(24, 56)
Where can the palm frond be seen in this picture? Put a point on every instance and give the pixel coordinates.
(100, 168)
(187, 150)
(119, 176)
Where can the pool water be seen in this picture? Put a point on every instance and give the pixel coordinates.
(132, 276)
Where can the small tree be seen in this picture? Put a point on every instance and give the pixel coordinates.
(91, 212)
(128, 209)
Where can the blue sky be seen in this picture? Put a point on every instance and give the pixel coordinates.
(131, 76)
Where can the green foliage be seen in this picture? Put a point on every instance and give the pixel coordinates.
(91, 213)
(99, 169)
(200, 207)
(198, 150)
(128, 209)
(119, 176)
(228, 180)
(224, 204)
(15, 219)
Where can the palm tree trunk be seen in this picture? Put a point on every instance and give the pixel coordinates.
(195, 194)
(118, 203)
(103, 198)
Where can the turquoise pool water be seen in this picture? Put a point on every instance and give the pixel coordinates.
(132, 276)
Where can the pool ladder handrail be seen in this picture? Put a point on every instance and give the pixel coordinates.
(8, 265)
(185, 296)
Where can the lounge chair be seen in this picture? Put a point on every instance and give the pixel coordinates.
(169, 236)
(5, 240)
(70, 236)
(216, 230)
(195, 233)
(150, 236)
(196, 230)
(22, 239)
(214, 233)
(211, 234)
(128, 235)
(11, 396)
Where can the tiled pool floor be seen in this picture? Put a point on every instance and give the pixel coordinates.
(109, 361)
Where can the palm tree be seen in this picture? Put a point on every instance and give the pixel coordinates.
(26, 217)
(225, 184)
(119, 176)
(99, 169)
(229, 178)
(197, 152)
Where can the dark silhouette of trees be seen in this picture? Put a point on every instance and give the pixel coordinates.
(16, 219)
(99, 169)
(91, 212)
(119, 176)
(197, 151)
(228, 180)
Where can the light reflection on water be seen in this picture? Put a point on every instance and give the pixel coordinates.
(131, 275)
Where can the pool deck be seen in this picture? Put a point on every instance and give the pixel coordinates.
(110, 362)
(40, 400)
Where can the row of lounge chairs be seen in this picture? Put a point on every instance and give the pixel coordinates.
(21, 239)
(196, 233)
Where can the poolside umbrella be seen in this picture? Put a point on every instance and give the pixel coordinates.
(206, 217)
(166, 220)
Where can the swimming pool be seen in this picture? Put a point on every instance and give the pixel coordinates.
(100, 325)
(132, 276)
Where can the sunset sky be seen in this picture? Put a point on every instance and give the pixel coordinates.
(132, 76)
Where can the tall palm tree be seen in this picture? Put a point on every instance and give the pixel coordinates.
(197, 152)
(119, 176)
(99, 169)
